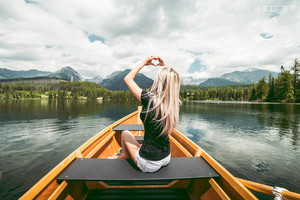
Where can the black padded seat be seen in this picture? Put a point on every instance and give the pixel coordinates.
(130, 127)
(138, 194)
(93, 169)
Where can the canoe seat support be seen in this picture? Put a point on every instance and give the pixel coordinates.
(125, 170)
(129, 127)
(139, 139)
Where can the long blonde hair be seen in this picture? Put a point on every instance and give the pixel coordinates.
(164, 94)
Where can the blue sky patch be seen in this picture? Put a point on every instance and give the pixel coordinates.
(94, 38)
(266, 35)
(48, 46)
(194, 52)
(30, 1)
(66, 54)
(276, 14)
(197, 66)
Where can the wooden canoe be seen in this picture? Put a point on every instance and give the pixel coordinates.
(107, 143)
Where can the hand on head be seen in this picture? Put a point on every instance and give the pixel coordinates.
(155, 61)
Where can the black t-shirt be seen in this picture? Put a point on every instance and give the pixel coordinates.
(154, 147)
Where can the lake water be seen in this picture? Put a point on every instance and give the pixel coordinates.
(258, 142)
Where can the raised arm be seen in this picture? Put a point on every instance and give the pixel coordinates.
(129, 79)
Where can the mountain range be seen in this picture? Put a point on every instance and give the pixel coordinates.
(8, 74)
(115, 81)
(252, 75)
(96, 79)
(65, 73)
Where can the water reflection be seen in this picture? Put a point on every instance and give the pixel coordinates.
(259, 142)
(36, 135)
(281, 117)
(284, 117)
(67, 109)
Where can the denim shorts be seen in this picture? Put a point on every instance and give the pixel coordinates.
(150, 165)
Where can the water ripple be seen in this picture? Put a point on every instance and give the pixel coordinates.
(252, 141)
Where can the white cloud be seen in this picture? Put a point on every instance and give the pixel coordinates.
(224, 35)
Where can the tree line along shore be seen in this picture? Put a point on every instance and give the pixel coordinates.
(284, 88)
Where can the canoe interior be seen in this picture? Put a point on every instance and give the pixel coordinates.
(108, 143)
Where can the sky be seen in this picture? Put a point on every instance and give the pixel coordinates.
(201, 39)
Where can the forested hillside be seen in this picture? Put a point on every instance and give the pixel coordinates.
(62, 90)
(285, 88)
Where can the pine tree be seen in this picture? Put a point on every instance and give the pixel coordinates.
(282, 69)
(298, 92)
(6, 95)
(296, 71)
(31, 94)
(262, 89)
(253, 94)
(284, 90)
(271, 92)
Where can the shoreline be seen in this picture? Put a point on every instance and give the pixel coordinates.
(189, 101)
(238, 102)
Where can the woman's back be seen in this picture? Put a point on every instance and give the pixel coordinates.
(156, 146)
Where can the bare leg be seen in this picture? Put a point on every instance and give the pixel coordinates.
(125, 154)
(129, 145)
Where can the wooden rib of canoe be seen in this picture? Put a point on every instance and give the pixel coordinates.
(107, 143)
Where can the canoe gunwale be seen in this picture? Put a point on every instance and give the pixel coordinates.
(265, 189)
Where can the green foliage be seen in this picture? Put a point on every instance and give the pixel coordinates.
(253, 95)
(296, 82)
(6, 95)
(64, 90)
(280, 89)
(271, 93)
(284, 90)
(224, 93)
(262, 89)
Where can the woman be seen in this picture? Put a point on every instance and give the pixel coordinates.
(160, 115)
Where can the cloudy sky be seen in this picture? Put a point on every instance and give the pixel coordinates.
(202, 39)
